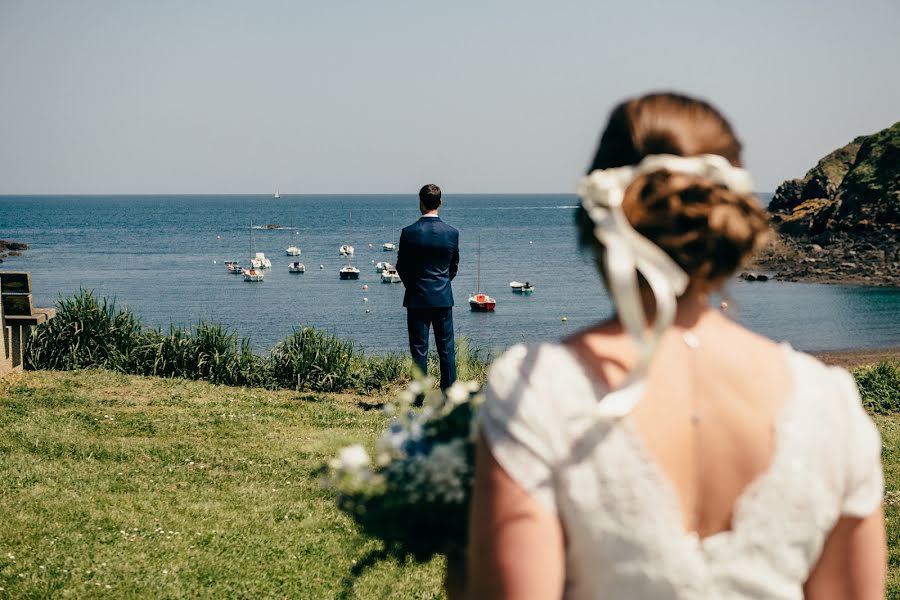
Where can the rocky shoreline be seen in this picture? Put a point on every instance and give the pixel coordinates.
(869, 258)
(8, 248)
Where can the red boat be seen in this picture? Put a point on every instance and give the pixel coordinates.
(482, 303)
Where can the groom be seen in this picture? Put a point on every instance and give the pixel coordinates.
(427, 259)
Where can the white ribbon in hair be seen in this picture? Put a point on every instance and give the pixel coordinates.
(628, 253)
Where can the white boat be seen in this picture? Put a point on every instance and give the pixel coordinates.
(260, 261)
(233, 266)
(390, 246)
(349, 272)
(297, 267)
(381, 266)
(276, 195)
(252, 275)
(390, 275)
(521, 288)
(346, 250)
(292, 251)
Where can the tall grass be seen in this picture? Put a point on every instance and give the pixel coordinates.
(471, 362)
(313, 360)
(91, 332)
(879, 386)
(86, 332)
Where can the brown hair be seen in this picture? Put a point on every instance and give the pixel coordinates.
(706, 228)
(430, 196)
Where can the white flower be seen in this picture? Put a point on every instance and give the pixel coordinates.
(352, 459)
(444, 472)
(392, 440)
(458, 393)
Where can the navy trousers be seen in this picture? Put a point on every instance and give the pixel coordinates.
(418, 321)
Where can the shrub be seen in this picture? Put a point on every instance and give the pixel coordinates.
(879, 386)
(315, 360)
(85, 333)
(380, 372)
(88, 332)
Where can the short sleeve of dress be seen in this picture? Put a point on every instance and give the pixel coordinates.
(514, 424)
(864, 477)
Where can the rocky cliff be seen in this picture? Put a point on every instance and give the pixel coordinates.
(840, 223)
(854, 188)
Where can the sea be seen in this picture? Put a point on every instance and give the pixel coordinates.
(163, 257)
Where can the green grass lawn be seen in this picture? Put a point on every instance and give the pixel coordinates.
(122, 486)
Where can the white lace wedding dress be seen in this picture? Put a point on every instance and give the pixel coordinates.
(620, 513)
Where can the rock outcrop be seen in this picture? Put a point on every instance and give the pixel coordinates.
(8, 248)
(840, 223)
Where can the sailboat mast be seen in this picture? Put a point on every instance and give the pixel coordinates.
(478, 279)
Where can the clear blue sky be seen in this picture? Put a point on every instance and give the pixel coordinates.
(382, 96)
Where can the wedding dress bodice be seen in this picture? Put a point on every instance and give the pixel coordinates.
(620, 512)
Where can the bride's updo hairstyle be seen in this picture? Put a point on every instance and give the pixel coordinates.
(706, 228)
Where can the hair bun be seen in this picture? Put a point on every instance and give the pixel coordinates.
(706, 228)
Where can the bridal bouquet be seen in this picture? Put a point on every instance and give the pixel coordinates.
(414, 495)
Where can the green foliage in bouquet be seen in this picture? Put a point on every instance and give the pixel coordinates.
(415, 496)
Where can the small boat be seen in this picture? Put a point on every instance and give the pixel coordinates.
(297, 267)
(479, 302)
(482, 303)
(233, 266)
(276, 195)
(253, 275)
(346, 250)
(292, 251)
(349, 272)
(389, 247)
(381, 266)
(390, 275)
(521, 288)
(260, 261)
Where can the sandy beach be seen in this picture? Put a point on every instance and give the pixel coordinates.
(850, 359)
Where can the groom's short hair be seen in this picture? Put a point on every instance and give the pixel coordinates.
(430, 196)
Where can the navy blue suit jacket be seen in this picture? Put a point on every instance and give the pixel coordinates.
(427, 259)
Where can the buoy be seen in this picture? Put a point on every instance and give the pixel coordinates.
(723, 306)
(373, 261)
(530, 242)
(218, 237)
(321, 266)
(215, 262)
(370, 245)
(564, 319)
(365, 286)
(367, 311)
(365, 299)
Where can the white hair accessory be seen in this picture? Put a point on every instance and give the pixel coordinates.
(628, 253)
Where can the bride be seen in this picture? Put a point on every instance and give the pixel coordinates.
(669, 452)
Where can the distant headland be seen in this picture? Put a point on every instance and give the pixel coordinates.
(840, 223)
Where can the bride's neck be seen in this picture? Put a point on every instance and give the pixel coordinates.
(692, 308)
